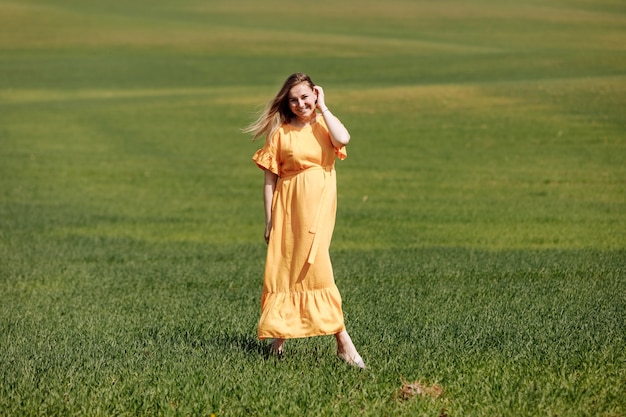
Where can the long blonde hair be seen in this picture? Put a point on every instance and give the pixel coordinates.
(277, 111)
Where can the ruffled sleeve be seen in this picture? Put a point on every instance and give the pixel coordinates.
(341, 153)
(267, 156)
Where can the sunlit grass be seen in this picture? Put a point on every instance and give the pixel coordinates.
(480, 236)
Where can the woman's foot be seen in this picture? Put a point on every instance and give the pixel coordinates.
(352, 360)
(276, 347)
(346, 350)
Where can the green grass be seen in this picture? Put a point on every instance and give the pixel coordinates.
(480, 235)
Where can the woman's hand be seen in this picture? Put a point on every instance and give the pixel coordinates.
(339, 135)
(321, 103)
(268, 231)
(269, 187)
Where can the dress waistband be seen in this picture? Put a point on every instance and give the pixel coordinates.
(313, 168)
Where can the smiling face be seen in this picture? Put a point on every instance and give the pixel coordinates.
(302, 101)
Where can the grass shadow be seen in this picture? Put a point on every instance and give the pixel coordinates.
(244, 342)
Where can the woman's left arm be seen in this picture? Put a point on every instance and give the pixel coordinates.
(339, 135)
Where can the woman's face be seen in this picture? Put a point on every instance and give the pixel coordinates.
(302, 101)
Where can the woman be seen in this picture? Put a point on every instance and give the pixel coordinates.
(300, 298)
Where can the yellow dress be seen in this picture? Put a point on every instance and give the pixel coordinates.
(300, 298)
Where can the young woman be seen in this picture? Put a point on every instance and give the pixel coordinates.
(300, 298)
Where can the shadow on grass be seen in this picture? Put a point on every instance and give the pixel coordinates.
(243, 342)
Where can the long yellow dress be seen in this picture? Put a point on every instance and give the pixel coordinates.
(300, 298)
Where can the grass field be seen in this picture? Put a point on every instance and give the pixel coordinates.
(480, 244)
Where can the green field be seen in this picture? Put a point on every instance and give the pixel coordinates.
(481, 233)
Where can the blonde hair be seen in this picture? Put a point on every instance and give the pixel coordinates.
(277, 111)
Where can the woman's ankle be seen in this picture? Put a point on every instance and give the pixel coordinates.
(344, 344)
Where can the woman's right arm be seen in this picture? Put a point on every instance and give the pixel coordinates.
(269, 187)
